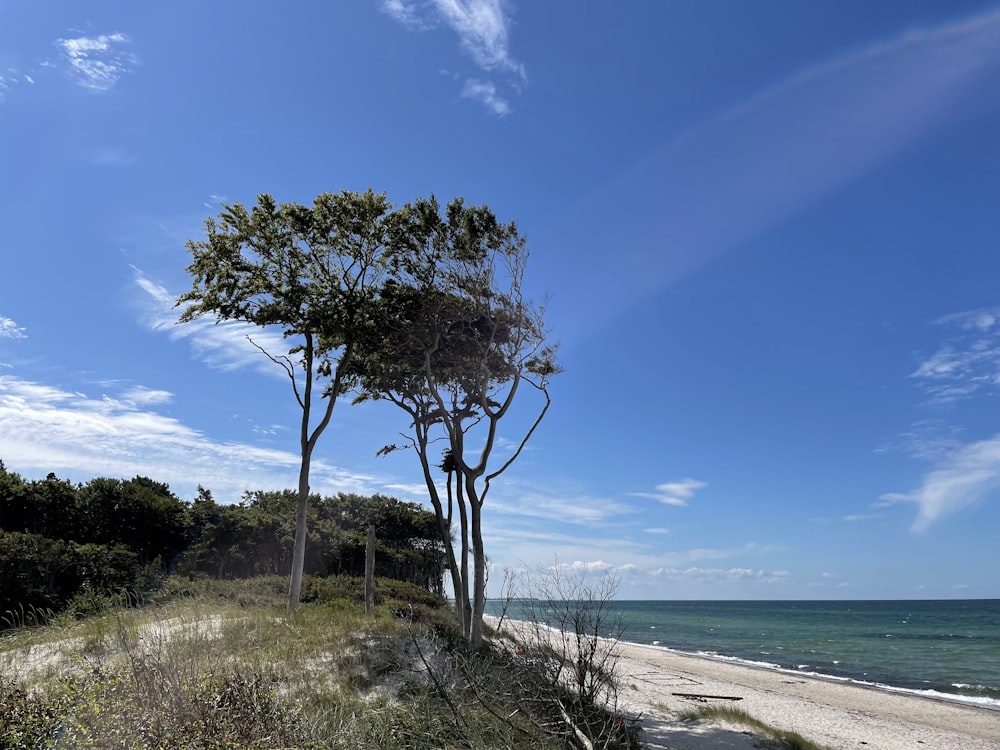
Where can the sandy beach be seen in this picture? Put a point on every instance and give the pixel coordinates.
(835, 714)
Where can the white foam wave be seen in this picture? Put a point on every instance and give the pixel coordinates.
(990, 703)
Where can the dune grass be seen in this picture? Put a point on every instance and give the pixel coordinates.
(217, 665)
(771, 737)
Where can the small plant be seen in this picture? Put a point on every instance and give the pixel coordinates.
(26, 720)
(777, 739)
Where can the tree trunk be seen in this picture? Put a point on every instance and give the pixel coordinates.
(370, 572)
(479, 575)
(459, 584)
(299, 550)
(464, 603)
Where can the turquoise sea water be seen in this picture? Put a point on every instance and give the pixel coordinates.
(943, 648)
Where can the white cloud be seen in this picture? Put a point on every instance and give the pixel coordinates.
(855, 517)
(657, 530)
(568, 506)
(927, 439)
(674, 493)
(141, 396)
(581, 566)
(966, 362)
(97, 62)
(224, 345)
(711, 575)
(485, 92)
(10, 330)
(966, 476)
(483, 30)
(482, 27)
(43, 428)
(406, 13)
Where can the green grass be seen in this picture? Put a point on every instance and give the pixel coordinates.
(778, 739)
(213, 665)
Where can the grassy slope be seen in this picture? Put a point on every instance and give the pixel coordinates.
(216, 665)
(221, 666)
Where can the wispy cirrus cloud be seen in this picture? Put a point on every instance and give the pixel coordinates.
(674, 493)
(967, 362)
(223, 345)
(10, 330)
(966, 476)
(926, 439)
(483, 30)
(140, 395)
(584, 566)
(567, 506)
(44, 428)
(97, 62)
(709, 575)
(485, 93)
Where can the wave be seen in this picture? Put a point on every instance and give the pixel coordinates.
(981, 701)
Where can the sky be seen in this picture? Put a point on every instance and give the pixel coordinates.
(767, 233)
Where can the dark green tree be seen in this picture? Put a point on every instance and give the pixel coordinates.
(311, 272)
(140, 513)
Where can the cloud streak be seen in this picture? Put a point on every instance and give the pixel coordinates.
(222, 346)
(674, 493)
(713, 575)
(97, 62)
(967, 362)
(967, 476)
(568, 507)
(483, 30)
(44, 428)
(485, 93)
(10, 330)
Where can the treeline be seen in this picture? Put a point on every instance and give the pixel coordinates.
(61, 543)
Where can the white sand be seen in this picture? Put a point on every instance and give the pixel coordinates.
(831, 713)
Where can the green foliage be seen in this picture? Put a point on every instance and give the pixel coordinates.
(117, 537)
(192, 671)
(144, 705)
(27, 721)
(255, 537)
(139, 513)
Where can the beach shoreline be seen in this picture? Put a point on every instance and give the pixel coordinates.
(933, 695)
(660, 684)
(833, 713)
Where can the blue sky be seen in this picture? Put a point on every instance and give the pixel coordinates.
(768, 231)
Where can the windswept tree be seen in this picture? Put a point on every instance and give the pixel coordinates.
(459, 342)
(311, 271)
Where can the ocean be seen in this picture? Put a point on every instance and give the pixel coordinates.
(946, 649)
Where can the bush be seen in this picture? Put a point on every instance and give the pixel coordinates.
(26, 720)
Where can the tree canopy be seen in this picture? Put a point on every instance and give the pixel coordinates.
(311, 271)
(458, 339)
(422, 306)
